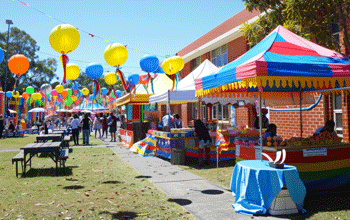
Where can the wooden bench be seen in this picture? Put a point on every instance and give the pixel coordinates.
(63, 157)
(17, 158)
(65, 142)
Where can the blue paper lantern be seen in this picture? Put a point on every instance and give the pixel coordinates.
(134, 79)
(1, 55)
(9, 94)
(159, 70)
(149, 63)
(118, 93)
(94, 71)
(104, 91)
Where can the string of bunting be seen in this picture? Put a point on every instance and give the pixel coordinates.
(92, 35)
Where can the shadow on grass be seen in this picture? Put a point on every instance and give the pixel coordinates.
(111, 182)
(74, 187)
(181, 202)
(120, 215)
(143, 177)
(35, 172)
(193, 163)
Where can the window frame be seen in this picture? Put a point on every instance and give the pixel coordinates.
(335, 112)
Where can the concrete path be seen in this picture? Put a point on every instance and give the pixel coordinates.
(202, 198)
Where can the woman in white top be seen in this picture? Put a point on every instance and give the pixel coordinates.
(97, 126)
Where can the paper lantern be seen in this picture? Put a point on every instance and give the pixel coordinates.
(74, 98)
(134, 79)
(64, 38)
(149, 63)
(1, 55)
(18, 64)
(73, 71)
(54, 93)
(104, 91)
(94, 71)
(64, 93)
(30, 90)
(85, 91)
(159, 70)
(15, 94)
(46, 88)
(9, 94)
(25, 96)
(173, 65)
(59, 88)
(115, 54)
(70, 92)
(119, 93)
(111, 78)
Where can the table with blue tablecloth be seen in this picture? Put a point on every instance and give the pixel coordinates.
(255, 184)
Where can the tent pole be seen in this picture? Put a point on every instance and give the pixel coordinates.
(260, 122)
(301, 117)
(169, 120)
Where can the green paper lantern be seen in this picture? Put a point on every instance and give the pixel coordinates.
(30, 90)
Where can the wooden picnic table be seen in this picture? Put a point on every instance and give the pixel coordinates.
(62, 133)
(52, 148)
(47, 137)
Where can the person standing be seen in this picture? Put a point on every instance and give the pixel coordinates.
(1, 125)
(86, 129)
(204, 141)
(104, 126)
(75, 129)
(178, 121)
(113, 128)
(97, 125)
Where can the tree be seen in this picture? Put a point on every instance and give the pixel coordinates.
(40, 71)
(309, 19)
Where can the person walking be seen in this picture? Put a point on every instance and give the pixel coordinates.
(86, 129)
(1, 125)
(113, 128)
(204, 141)
(75, 129)
(104, 126)
(97, 125)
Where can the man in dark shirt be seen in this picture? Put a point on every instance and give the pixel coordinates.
(113, 127)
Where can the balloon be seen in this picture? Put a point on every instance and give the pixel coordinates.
(73, 71)
(149, 63)
(15, 94)
(119, 93)
(116, 54)
(25, 96)
(1, 55)
(85, 91)
(94, 71)
(9, 94)
(111, 78)
(104, 91)
(54, 92)
(70, 92)
(30, 90)
(59, 88)
(64, 38)
(134, 79)
(46, 88)
(64, 93)
(18, 64)
(173, 65)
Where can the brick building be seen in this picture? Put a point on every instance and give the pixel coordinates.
(224, 44)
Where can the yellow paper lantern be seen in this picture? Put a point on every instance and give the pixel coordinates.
(85, 91)
(54, 98)
(59, 88)
(116, 54)
(74, 98)
(15, 94)
(64, 38)
(173, 65)
(111, 78)
(73, 71)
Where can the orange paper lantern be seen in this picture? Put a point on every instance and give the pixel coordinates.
(64, 93)
(18, 64)
(25, 96)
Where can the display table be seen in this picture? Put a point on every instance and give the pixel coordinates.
(255, 185)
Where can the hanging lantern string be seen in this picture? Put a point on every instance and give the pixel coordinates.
(92, 35)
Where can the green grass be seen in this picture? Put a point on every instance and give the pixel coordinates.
(321, 206)
(97, 184)
(17, 143)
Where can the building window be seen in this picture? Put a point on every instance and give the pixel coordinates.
(214, 112)
(195, 63)
(204, 113)
(194, 111)
(218, 111)
(338, 115)
(225, 113)
(219, 56)
(335, 33)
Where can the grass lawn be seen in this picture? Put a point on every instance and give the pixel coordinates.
(334, 205)
(17, 143)
(97, 185)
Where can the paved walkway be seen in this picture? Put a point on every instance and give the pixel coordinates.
(202, 198)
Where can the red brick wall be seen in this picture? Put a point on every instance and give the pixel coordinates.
(205, 56)
(186, 70)
(288, 123)
(236, 48)
(186, 114)
(242, 116)
(346, 116)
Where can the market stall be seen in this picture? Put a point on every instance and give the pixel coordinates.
(285, 62)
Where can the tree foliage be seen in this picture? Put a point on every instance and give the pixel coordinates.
(40, 71)
(311, 19)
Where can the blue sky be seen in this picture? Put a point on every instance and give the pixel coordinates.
(156, 27)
